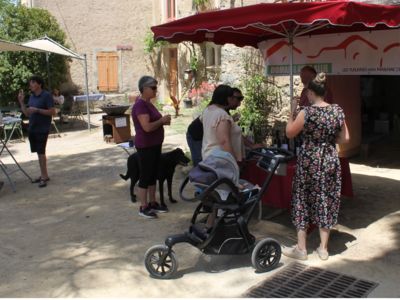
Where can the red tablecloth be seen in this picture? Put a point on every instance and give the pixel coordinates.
(279, 191)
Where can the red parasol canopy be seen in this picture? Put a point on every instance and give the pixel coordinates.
(249, 25)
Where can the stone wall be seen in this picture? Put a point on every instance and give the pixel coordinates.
(102, 25)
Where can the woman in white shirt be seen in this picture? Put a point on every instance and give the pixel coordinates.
(57, 97)
(220, 130)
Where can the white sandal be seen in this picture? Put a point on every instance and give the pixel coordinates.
(323, 254)
(295, 253)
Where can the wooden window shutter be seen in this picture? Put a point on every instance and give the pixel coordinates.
(113, 72)
(107, 71)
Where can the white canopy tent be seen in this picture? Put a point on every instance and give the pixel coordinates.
(50, 46)
(10, 46)
(47, 45)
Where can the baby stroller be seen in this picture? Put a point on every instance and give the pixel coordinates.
(229, 233)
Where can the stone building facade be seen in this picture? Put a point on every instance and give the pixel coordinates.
(112, 32)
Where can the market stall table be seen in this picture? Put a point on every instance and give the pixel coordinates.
(92, 97)
(279, 192)
(83, 98)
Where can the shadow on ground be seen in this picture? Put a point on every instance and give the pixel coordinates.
(82, 237)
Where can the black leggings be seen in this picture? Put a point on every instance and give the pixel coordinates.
(149, 158)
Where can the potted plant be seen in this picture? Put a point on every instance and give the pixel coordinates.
(188, 103)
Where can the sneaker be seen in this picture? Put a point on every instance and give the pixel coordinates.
(158, 207)
(323, 254)
(147, 212)
(295, 253)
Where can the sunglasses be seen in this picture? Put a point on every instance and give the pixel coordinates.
(240, 98)
(153, 87)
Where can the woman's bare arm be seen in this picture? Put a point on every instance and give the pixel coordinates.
(344, 136)
(223, 131)
(294, 127)
(144, 120)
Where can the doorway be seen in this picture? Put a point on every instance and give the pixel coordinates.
(380, 111)
(380, 104)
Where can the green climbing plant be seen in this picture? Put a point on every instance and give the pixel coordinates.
(150, 45)
(263, 98)
(200, 4)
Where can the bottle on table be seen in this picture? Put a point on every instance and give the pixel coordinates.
(297, 144)
(276, 140)
(285, 143)
(250, 134)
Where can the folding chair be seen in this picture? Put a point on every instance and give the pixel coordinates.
(71, 110)
(53, 123)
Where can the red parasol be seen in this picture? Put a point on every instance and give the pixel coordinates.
(250, 25)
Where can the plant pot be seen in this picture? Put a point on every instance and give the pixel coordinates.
(188, 103)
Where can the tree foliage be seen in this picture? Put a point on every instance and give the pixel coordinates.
(20, 24)
(262, 98)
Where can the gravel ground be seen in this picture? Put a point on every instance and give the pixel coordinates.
(82, 237)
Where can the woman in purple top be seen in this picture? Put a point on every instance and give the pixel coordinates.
(149, 137)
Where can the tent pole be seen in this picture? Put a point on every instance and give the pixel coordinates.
(87, 92)
(48, 72)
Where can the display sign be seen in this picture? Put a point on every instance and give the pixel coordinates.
(355, 53)
(124, 47)
(120, 122)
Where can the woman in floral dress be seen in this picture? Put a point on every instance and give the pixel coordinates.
(317, 183)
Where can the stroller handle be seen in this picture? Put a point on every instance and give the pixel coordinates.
(282, 155)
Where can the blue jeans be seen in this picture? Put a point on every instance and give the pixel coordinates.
(195, 149)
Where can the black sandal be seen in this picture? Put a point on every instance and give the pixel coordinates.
(39, 179)
(42, 182)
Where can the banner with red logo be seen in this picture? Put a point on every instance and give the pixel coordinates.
(355, 53)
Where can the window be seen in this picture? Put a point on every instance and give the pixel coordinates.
(170, 5)
(213, 55)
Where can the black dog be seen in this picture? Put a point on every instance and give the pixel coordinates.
(166, 169)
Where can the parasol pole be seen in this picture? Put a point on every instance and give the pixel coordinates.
(87, 91)
(291, 70)
(291, 141)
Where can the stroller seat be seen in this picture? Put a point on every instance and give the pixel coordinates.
(203, 178)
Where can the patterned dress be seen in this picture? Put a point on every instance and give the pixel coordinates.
(317, 183)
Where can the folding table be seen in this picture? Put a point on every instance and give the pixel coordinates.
(4, 149)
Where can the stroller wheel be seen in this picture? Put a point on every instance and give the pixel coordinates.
(266, 255)
(160, 262)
